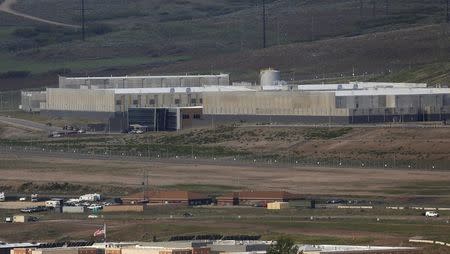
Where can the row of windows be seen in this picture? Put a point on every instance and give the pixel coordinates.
(153, 102)
(187, 116)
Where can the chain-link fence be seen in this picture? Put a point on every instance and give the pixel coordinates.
(166, 155)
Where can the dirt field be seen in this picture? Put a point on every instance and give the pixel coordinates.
(356, 227)
(311, 181)
(334, 226)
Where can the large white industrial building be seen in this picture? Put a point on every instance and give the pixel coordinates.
(112, 99)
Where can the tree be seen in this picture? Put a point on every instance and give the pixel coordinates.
(283, 245)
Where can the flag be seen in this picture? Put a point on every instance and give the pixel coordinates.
(101, 231)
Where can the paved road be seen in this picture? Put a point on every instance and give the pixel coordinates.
(26, 124)
(6, 7)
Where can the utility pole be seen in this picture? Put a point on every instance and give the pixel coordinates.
(145, 186)
(83, 26)
(448, 14)
(361, 9)
(264, 22)
(387, 7)
(374, 8)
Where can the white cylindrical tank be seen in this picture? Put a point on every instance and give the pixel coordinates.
(269, 77)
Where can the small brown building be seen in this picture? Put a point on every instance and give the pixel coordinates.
(255, 198)
(169, 197)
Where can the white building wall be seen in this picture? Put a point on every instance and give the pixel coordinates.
(271, 103)
(80, 100)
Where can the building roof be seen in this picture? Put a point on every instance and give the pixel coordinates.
(167, 90)
(169, 195)
(222, 75)
(393, 91)
(358, 86)
(17, 245)
(260, 195)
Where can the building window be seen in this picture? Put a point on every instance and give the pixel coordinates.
(177, 101)
(118, 102)
(186, 116)
(152, 102)
(135, 102)
(201, 101)
(197, 116)
(193, 101)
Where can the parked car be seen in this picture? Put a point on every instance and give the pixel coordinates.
(431, 214)
(8, 220)
(23, 199)
(187, 215)
(34, 197)
(95, 207)
(92, 216)
(33, 219)
(35, 209)
(27, 210)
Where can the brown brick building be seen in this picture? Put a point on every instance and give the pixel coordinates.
(169, 197)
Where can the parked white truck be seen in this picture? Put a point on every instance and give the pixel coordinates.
(2, 196)
(431, 214)
(91, 197)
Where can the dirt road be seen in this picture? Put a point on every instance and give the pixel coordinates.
(6, 7)
(26, 124)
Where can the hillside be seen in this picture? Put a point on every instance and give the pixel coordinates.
(306, 38)
(395, 145)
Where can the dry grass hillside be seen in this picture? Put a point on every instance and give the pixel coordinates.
(396, 146)
(408, 144)
(306, 39)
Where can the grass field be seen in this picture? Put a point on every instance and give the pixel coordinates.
(35, 66)
(326, 227)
